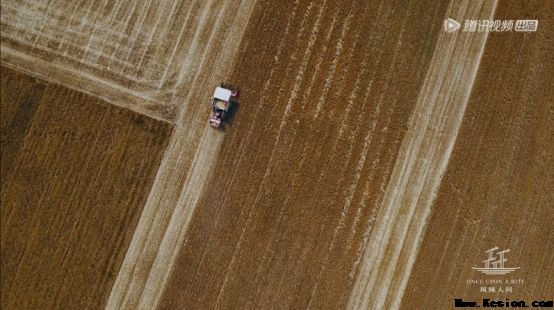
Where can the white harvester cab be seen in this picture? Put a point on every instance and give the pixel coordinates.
(221, 102)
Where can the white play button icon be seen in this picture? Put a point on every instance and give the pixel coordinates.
(451, 25)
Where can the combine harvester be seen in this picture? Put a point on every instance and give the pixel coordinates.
(224, 97)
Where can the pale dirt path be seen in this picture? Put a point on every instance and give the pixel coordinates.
(184, 170)
(394, 241)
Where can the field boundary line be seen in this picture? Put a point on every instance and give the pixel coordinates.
(82, 81)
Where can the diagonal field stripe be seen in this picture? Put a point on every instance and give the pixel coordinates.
(424, 154)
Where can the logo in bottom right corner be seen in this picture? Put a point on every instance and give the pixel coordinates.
(496, 262)
(496, 265)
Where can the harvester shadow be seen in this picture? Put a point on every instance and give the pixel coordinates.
(230, 115)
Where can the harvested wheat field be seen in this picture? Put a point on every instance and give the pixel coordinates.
(371, 160)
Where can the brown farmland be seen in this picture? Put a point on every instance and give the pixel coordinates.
(76, 172)
(371, 161)
(304, 166)
(499, 187)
